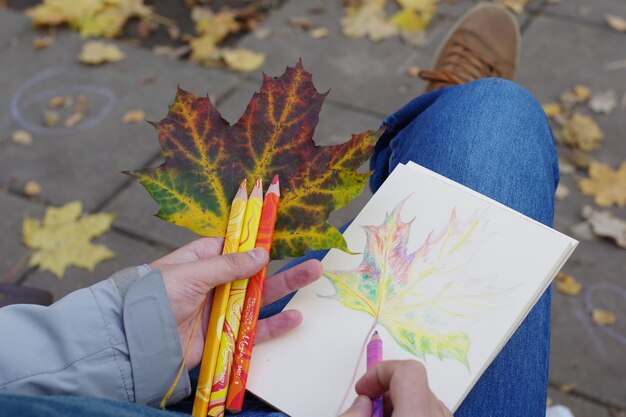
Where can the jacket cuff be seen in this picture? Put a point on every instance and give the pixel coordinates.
(153, 341)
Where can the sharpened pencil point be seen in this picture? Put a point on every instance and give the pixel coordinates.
(275, 179)
(244, 183)
(257, 183)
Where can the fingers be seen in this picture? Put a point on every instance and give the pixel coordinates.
(198, 249)
(276, 325)
(361, 407)
(406, 382)
(291, 280)
(204, 274)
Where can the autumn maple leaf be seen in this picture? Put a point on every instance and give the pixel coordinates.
(206, 159)
(418, 296)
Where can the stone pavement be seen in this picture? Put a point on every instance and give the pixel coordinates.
(563, 45)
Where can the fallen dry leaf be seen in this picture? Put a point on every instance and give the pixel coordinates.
(60, 101)
(604, 224)
(51, 118)
(32, 188)
(567, 388)
(582, 132)
(97, 52)
(64, 237)
(604, 102)
(607, 186)
(369, 20)
(415, 39)
(42, 42)
(134, 116)
(583, 93)
(516, 6)
(263, 33)
(91, 17)
(577, 95)
(562, 191)
(552, 109)
(242, 59)
(409, 20)
(73, 119)
(22, 137)
(171, 52)
(413, 71)
(204, 51)
(603, 317)
(319, 33)
(617, 23)
(300, 23)
(568, 285)
(215, 26)
(566, 168)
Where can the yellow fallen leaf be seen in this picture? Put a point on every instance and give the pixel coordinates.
(60, 101)
(51, 118)
(96, 53)
(516, 6)
(204, 51)
(418, 5)
(22, 137)
(134, 116)
(91, 17)
(368, 20)
(408, 20)
(32, 188)
(567, 388)
(607, 186)
(568, 285)
(582, 132)
(562, 191)
(64, 237)
(215, 26)
(319, 33)
(603, 317)
(617, 23)
(583, 93)
(242, 59)
(552, 109)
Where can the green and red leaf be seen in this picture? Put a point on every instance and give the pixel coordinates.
(206, 158)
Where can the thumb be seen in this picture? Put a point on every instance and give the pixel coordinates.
(208, 273)
(361, 407)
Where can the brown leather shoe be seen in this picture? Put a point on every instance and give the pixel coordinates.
(485, 42)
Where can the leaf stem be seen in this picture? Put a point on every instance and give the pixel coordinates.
(356, 367)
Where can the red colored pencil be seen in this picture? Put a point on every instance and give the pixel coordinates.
(252, 304)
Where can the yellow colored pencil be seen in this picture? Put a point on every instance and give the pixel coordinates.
(221, 376)
(218, 308)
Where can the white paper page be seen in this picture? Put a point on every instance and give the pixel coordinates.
(504, 265)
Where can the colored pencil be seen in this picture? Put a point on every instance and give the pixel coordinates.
(218, 308)
(252, 304)
(252, 218)
(375, 355)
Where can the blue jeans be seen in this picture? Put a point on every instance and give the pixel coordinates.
(490, 135)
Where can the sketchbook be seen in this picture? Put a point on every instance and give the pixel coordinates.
(443, 273)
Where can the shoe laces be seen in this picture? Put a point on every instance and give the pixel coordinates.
(461, 64)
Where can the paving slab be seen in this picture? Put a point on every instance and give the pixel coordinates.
(556, 55)
(359, 72)
(578, 406)
(12, 25)
(135, 207)
(85, 161)
(586, 10)
(13, 211)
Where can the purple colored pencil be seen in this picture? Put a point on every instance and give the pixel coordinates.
(375, 355)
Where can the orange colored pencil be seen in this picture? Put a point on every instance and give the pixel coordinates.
(218, 308)
(252, 305)
(230, 330)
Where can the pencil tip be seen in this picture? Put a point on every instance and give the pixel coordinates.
(275, 179)
(244, 183)
(257, 183)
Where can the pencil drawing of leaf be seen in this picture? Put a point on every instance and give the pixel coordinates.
(420, 296)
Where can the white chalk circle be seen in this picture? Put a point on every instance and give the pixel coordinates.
(22, 101)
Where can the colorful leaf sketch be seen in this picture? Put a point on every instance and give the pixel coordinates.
(421, 297)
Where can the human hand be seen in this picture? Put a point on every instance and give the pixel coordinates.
(192, 271)
(404, 386)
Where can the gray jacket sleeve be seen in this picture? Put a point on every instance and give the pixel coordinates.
(116, 339)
